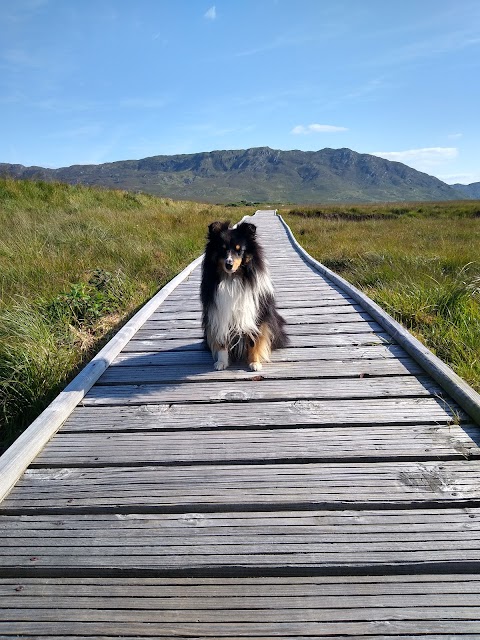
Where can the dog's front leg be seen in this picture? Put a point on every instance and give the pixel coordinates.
(221, 355)
(259, 349)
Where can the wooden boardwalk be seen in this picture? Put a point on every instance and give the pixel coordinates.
(334, 494)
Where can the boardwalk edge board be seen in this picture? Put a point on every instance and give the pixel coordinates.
(460, 390)
(29, 444)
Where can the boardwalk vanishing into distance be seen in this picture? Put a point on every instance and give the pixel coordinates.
(334, 494)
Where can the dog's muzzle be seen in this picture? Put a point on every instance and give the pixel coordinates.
(229, 263)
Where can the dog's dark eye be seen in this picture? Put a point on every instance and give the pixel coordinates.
(224, 246)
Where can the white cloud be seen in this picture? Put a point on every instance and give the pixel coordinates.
(211, 14)
(455, 136)
(301, 129)
(277, 43)
(424, 159)
(461, 178)
(367, 89)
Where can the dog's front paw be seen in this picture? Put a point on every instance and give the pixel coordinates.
(222, 360)
(255, 366)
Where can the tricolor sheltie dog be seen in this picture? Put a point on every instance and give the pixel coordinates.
(240, 320)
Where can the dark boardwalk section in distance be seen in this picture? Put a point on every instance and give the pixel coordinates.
(334, 494)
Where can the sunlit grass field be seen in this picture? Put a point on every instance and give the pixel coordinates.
(419, 261)
(75, 262)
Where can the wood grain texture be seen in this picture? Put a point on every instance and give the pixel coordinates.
(247, 487)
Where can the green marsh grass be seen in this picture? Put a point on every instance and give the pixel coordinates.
(419, 261)
(75, 263)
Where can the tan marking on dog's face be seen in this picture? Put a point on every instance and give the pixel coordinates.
(230, 263)
(237, 261)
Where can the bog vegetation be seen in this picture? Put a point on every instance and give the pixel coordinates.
(419, 261)
(75, 262)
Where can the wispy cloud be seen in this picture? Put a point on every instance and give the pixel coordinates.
(160, 37)
(211, 14)
(461, 178)
(301, 129)
(428, 48)
(19, 58)
(18, 12)
(455, 136)
(277, 43)
(368, 88)
(426, 159)
(441, 44)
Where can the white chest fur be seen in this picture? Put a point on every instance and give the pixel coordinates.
(235, 308)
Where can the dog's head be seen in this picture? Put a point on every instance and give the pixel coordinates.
(231, 247)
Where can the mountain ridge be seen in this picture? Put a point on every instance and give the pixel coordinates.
(470, 191)
(259, 174)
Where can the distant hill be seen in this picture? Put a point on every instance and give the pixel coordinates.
(470, 191)
(258, 175)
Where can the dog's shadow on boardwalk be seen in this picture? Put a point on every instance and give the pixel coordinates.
(191, 362)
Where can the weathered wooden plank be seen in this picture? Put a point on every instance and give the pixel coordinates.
(329, 323)
(367, 413)
(318, 285)
(346, 525)
(283, 302)
(246, 391)
(291, 313)
(248, 487)
(326, 547)
(379, 351)
(292, 316)
(205, 560)
(306, 444)
(327, 306)
(143, 374)
(228, 533)
(205, 603)
(66, 629)
(312, 285)
(358, 334)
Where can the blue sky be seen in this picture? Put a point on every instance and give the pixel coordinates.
(92, 81)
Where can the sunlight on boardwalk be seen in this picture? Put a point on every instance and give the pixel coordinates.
(335, 494)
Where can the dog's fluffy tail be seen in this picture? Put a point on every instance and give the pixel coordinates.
(280, 338)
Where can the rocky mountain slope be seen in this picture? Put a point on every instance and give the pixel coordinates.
(469, 191)
(259, 175)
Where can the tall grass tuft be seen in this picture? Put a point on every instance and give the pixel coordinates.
(35, 360)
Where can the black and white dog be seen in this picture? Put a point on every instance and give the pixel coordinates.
(240, 319)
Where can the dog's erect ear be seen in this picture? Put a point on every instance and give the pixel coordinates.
(248, 229)
(216, 227)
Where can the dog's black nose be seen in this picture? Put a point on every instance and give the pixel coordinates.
(229, 266)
